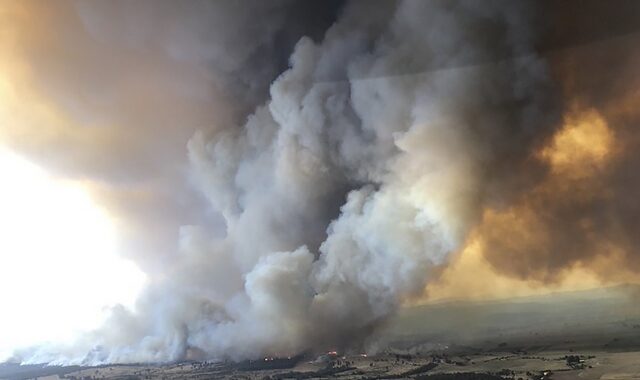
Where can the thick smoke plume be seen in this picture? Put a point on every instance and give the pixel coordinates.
(344, 190)
(389, 142)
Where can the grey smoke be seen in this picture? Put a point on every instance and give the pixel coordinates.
(134, 80)
(346, 187)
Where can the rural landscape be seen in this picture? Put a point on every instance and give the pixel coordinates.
(578, 335)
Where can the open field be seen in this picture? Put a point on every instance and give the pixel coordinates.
(587, 364)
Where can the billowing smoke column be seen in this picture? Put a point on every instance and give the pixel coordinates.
(380, 149)
(366, 167)
(348, 186)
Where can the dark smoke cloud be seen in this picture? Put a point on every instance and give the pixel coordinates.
(584, 213)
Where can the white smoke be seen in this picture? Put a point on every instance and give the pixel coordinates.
(365, 168)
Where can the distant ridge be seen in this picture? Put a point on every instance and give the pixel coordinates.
(592, 316)
(621, 290)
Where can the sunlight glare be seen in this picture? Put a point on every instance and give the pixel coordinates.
(58, 263)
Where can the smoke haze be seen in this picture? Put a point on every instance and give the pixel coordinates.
(289, 174)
